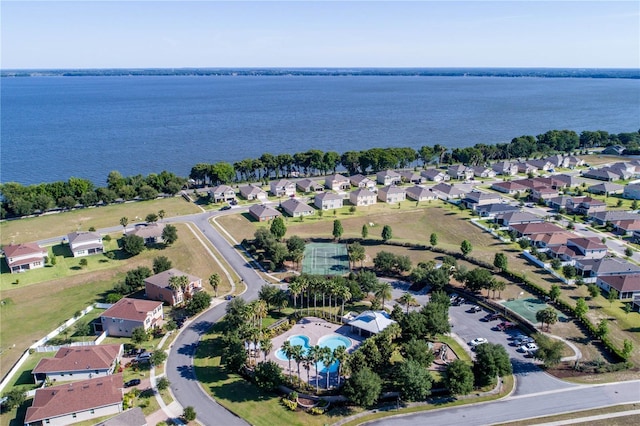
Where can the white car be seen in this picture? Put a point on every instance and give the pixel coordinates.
(477, 341)
(528, 348)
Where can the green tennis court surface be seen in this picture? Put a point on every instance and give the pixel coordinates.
(528, 308)
(325, 259)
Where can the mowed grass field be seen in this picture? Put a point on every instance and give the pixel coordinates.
(30, 312)
(52, 225)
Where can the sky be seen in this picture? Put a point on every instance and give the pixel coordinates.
(217, 34)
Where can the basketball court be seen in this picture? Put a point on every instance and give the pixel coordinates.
(528, 308)
(325, 259)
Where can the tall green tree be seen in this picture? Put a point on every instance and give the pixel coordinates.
(133, 244)
(337, 229)
(214, 282)
(581, 307)
(414, 381)
(161, 264)
(363, 387)
(169, 234)
(492, 360)
(387, 233)
(433, 239)
(555, 292)
(603, 329)
(278, 228)
(459, 378)
(549, 350)
(500, 261)
(365, 231)
(547, 316)
(466, 247)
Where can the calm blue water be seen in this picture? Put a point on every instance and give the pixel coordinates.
(330, 341)
(56, 127)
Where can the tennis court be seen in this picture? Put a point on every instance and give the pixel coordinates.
(325, 259)
(528, 308)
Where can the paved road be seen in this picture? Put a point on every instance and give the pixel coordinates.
(576, 398)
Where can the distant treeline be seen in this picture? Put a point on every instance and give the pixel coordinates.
(421, 72)
(19, 200)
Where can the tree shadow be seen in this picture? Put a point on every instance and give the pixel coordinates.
(61, 250)
(20, 414)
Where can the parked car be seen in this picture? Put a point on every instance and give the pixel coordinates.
(144, 357)
(459, 301)
(478, 341)
(523, 341)
(225, 208)
(490, 317)
(474, 309)
(505, 325)
(528, 348)
(133, 382)
(517, 336)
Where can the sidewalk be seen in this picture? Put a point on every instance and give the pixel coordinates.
(172, 411)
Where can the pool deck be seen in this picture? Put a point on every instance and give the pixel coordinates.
(314, 328)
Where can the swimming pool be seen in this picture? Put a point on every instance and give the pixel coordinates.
(332, 341)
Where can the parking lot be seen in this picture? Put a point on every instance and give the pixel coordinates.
(467, 326)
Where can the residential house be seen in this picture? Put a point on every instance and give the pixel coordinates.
(591, 269)
(388, 177)
(579, 248)
(435, 175)
(505, 168)
(337, 182)
(362, 197)
(408, 176)
(328, 201)
(624, 169)
(606, 188)
(282, 188)
(517, 217)
(627, 285)
(483, 172)
(543, 193)
(253, 192)
(585, 205)
(85, 243)
(460, 172)
(573, 162)
(477, 198)
(493, 209)
(603, 217)
(551, 239)
(392, 194)
(420, 193)
(76, 402)
(632, 191)
(263, 213)
(151, 233)
(309, 185)
(526, 167)
(602, 174)
(296, 208)
(568, 180)
(222, 193)
(559, 202)
(446, 191)
(508, 187)
(361, 181)
(614, 150)
(529, 229)
(543, 165)
(159, 287)
(79, 363)
(626, 227)
(25, 256)
(127, 314)
(558, 161)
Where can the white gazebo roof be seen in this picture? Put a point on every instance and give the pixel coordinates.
(372, 321)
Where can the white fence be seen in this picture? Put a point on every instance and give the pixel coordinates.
(9, 376)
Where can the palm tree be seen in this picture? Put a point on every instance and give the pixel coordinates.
(326, 356)
(341, 355)
(214, 281)
(298, 356)
(407, 300)
(260, 311)
(295, 287)
(383, 291)
(288, 352)
(314, 356)
(307, 362)
(265, 346)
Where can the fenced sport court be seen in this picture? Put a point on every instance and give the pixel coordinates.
(528, 308)
(325, 259)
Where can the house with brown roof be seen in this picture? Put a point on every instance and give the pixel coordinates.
(76, 402)
(388, 177)
(84, 243)
(543, 193)
(579, 248)
(151, 233)
(435, 175)
(529, 229)
(508, 187)
(328, 201)
(309, 185)
(296, 208)
(159, 287)
(253, 192)
(263, 213)
(79, 363)
(585, 205)
(362, 197)
(361, 181)
(337, 182)
(627, 285)
(391, 194)
(282, 188)
(626, 227)
(222, 193)
(127, 313)
(420, 193)
(551, 239)
(25, 256)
